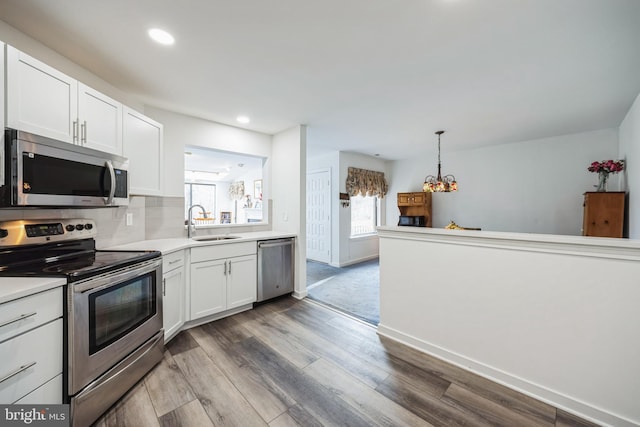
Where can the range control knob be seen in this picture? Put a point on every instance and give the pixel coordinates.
(80, 227)
(70, 227)
(3, 233)
(88, 226)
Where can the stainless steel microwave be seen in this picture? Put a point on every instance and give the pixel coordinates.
(37, 172)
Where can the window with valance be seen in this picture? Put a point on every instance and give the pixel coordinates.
(366, 183)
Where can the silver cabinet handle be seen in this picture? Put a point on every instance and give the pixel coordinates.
(229, 267)
(17, 319)
(174, 261)
(225, 268)
(164, 287)
(83, 133)
(17, 371)
(75, 131)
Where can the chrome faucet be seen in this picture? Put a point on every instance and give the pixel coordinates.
(192, 231)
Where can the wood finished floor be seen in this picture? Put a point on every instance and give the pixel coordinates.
(295, 363)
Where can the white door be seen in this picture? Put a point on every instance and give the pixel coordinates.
(100, 120)
(319, 216)
(40, 99)
(173, 302)
(208, 288)
(242, 287)
(142, 145)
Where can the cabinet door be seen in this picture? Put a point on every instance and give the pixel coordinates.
(242, 281)
(404, 199)
(418, 199)
(40, 99)
(208, 288)
(142, 144)
(100, 120)
(30, 360)
(172, 302)
(48, 394)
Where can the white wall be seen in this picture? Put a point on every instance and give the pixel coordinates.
(181, 130)
(288, 188)
(538, 313)
(630, 151)
(344, 249)
(532, 186)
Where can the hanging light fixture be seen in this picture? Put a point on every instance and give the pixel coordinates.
(439, 184)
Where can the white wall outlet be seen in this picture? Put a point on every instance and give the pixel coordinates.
(285, 216)
(129, 219)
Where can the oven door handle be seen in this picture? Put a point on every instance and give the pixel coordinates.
(112, 175)
(108, 280)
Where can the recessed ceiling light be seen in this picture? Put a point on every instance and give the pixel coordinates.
(161, 36)
(243, 119)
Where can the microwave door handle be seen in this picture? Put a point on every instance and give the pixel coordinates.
(112, 174)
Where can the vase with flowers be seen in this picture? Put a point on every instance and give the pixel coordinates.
(603, 169)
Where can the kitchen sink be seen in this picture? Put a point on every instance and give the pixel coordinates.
(213, 238)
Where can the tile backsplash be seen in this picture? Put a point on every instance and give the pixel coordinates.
(152, 218)
(110, 222)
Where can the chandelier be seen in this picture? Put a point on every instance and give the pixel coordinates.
(439, 184)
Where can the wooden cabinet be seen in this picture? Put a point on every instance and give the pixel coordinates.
(142, 145)
(31, 349)
(223, 277)
(173, 292)
(416, 204)
(47, 102)
(603, 214)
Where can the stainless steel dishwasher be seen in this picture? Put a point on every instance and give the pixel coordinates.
(275, 268)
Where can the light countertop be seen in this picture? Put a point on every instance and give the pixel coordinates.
(17, 287)
(12, 288)
(167, 246)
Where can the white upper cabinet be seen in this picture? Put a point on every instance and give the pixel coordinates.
(40, 99)
(142, 145)
(44, 101)
(100, 120)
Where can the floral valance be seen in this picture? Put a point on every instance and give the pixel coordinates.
(366, 183)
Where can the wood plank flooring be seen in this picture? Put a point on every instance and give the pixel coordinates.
(296, 363)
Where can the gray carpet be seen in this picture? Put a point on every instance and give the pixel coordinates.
(354, 289)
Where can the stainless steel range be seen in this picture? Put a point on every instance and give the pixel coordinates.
(113, 307)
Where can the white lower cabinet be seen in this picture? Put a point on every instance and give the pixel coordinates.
(31, 348)
(48, 393)
(30, 360)
(173, 284)
(222, 277)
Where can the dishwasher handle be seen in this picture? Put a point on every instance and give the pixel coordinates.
(274, 243)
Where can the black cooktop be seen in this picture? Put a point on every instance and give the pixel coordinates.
(75, 261)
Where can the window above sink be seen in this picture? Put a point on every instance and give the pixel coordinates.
(228, 185)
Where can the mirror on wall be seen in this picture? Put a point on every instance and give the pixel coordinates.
(227, 185)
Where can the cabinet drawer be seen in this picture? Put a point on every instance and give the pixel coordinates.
(172, 261)
(47, 394)
(225, 250)
(34, 357)
(26, 313)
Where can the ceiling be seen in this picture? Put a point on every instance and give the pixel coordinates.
(368, 76)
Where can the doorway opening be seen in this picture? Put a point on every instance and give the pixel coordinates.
(354, 290)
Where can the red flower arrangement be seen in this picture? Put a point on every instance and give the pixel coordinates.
(607, 166)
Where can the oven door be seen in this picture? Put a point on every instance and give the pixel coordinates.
(110, 316)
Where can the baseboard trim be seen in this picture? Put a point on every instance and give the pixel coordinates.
(542, 393)
(354, 261)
